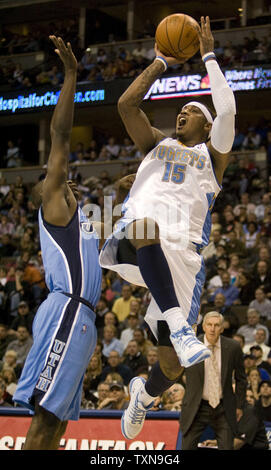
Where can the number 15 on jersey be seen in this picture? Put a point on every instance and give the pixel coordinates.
(174, 172)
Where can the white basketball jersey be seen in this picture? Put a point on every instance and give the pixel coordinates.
(176, 186)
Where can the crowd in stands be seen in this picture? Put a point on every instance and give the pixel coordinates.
(109, 148)
(110, 63)
(238, 285)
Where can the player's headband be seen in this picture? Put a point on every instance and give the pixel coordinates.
(203, 109)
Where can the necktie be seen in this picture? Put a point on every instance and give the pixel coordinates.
(214, 380)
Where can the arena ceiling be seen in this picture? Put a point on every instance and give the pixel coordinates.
(28, 10)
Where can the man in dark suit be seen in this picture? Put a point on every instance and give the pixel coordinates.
(209, 398)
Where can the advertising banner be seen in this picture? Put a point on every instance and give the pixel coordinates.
(90, 433)
(108, 93)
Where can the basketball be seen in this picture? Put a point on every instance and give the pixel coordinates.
(177, 36)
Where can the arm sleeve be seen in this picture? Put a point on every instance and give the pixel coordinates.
(223, 129)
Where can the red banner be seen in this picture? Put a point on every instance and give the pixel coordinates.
(95, 434)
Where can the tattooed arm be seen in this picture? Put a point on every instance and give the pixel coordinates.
(135, 120)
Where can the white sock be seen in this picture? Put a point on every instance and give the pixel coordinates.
(145, 398)
(175, 318)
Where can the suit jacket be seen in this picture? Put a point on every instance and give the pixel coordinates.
(231, 363)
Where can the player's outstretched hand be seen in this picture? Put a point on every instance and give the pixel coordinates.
(126, 182)
(206, 38)
(65, 53)
(170, 60)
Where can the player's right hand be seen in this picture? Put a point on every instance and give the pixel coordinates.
(170, 60)
(65, 53)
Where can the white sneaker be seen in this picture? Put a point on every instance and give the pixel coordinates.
(189, 349)
(133, 418)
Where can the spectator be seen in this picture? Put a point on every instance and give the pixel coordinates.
(117, 399)
(5, 339)
(7, 246)
(220, 304)
(245, 286)
(6, 226)
(229, 291)
(22, 344)
(111, 342)
(261, 208)
(12, 157)
(128, 333)
(248, 330)
(210, 249)
(261, 304)
(234, 266)
(262, 365)
(245, 201)
(122, 305)
(152, 357)
(139, 51)
(112, 148)
(174, 398)
(252, 140)
(254, 378)
(9, 376)
(107, 290)
(3, 402)
(260, 338)
(110, 319)
(252, 236)
(24, 318)
(10, 361)
(238, 140)
(234, 245)
(101, 309)
(262, 276)
(264, 403)
(103, 393)
(93, 374)
(240, 339)
(143, 343)
(116, 366)
(133, 358)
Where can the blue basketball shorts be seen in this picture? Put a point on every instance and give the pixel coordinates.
(64, 339)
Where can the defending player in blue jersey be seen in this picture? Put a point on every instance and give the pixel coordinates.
(172, 196)
(64, 330)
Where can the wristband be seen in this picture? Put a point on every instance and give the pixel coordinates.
(164, 62)
(208, 56)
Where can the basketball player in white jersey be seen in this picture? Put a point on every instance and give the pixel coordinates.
(184, 175)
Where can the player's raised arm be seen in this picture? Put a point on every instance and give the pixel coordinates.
(222, 133)
(62, 119)
(135, 120)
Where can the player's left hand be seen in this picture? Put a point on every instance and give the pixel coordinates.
(206, 38)
(65, 53)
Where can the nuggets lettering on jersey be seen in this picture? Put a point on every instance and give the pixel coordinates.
(175, 186)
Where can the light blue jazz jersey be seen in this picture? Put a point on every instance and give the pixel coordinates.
(64, 330)
(70, 257)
